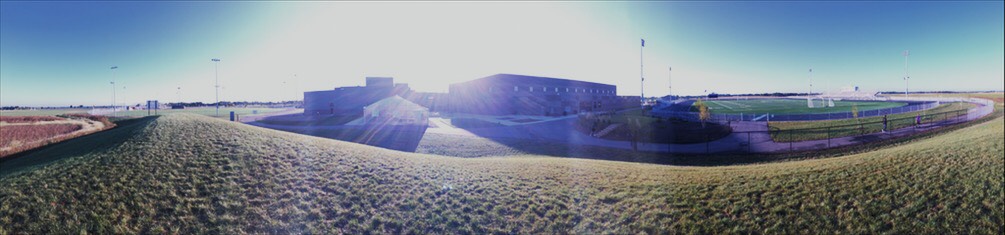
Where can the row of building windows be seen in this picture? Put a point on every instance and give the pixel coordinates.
(556, 89)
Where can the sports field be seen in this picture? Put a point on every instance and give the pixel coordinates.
(790, 106)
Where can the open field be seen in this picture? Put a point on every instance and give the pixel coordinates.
(797, 131)
(790, 106)
(41, 112)
(192, 174)
(208, 111)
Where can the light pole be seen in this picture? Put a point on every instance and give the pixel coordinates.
(179, 95)
(642, 83)
(216, 67)
(113, 90)
(906, 76)
(811, 82)
(669, 82)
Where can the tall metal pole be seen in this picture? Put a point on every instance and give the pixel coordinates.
(811, 81)
(642, 85)
(216, 67)
(114, 109)
(906, 76)
(294, 87)
(669, 82)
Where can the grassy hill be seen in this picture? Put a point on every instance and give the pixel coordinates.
(186, 173)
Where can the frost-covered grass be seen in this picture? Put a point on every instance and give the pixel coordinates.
(193, 174)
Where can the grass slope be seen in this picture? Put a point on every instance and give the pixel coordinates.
(194, 174)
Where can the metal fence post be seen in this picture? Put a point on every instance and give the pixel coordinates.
(790, 140)
(707, 151)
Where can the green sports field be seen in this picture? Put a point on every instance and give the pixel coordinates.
(790, 106)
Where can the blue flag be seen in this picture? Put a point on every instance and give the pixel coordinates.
(643, 43)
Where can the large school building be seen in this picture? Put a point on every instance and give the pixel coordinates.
(509, 94)
(351, 100)
(500, 94)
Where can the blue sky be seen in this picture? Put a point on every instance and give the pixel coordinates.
(59, 53)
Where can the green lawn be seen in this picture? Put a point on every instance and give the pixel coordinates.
(816, 130)
(192, 174)
(790, 106)
(653, 130)
(314, 120)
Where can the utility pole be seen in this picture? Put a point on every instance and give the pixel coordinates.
(216, 66)
(906, 76)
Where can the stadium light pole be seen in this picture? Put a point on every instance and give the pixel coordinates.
(811, 82)
(216, 67)
(642, 83)
(907, 77)
(669, 82)
(113, 89)
(179, 95)
(124, 102)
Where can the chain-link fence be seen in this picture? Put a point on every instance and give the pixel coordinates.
(778, 137)
(764, 117)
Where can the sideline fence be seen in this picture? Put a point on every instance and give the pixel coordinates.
(763, 117)
(763, 137)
